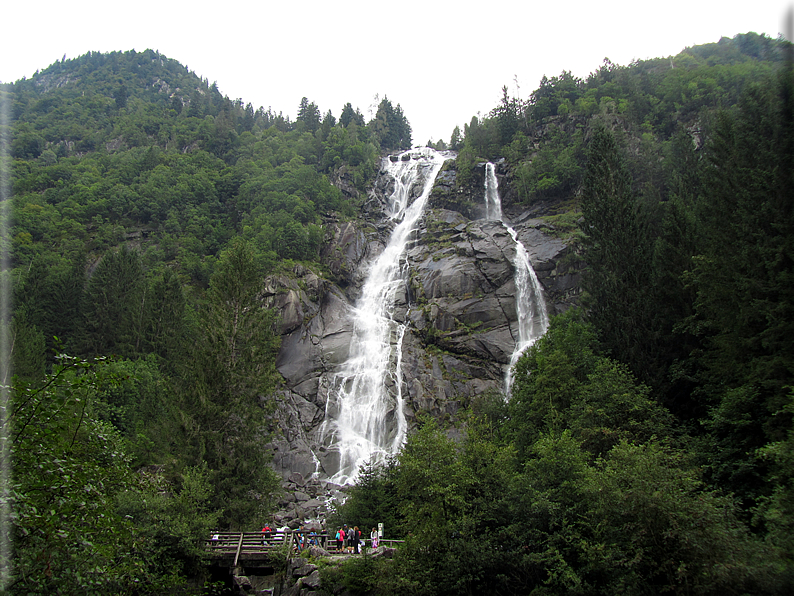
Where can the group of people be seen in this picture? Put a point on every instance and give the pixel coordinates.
(305, 538)
(349, 540)
(302, 538)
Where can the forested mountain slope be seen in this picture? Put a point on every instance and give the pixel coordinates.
(179, 258)
(671, 179)
(148, 210)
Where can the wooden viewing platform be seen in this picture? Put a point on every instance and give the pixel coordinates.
(234, 548)
(250, 547)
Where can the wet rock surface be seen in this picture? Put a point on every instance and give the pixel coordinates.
(305, 503)
(458, 300)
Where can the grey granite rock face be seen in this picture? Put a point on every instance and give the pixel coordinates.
(458, 301)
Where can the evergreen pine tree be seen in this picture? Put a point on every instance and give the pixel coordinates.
(115, 302)
(743, 278)
(229, 376)
(617, 253)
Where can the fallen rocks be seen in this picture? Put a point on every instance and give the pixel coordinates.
(305, 502)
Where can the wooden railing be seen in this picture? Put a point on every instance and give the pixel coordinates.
(259, 545)
(390, 543)
(239, 544)
(236, 544)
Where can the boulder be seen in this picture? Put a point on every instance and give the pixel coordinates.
(311, 581)
(242, 583)
(384, 552)
(302, 570)
(316, 552)
(297, 479)
(286, 499)
(294, 590)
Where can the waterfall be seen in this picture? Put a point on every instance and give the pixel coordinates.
(533, 319)
(367, 391)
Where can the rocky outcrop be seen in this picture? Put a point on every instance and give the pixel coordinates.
(458, 299)
(305, 502)
(303, 577)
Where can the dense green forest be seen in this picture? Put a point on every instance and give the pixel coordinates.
(647, 446)
(147, 210)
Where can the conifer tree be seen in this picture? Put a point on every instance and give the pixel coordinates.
(391, 127)
(115, 305)
(617, 253)
(674, 246)
(165, 324)
(506, 115)
(229, 376)
(350, 115)
(743, 279)
(309, 116)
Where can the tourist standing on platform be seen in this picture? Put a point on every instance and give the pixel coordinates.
(374, 538)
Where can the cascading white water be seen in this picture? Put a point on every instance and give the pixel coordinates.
(533, 320)
(368, 389)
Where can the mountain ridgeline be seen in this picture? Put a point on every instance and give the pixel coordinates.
(216, 306)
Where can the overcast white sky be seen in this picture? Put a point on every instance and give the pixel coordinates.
(442, 61)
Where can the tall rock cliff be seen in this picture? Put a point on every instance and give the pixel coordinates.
(458, 299)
